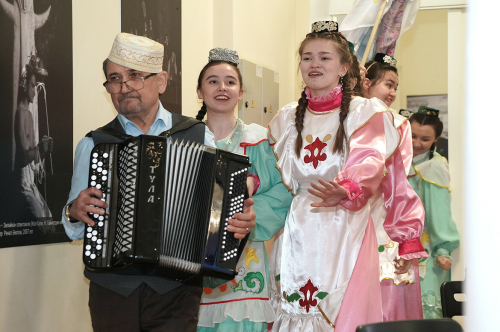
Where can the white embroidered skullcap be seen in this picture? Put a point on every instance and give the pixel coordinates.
(137, 52)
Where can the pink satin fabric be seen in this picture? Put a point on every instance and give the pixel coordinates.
(406, 147)
(405, 213)
(401, 302)
(353, 190)
(365, 163)
(362, 302)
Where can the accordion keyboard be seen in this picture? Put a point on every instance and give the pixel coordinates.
(95, 241)
(236, 197)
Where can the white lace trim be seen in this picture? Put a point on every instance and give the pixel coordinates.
(254, 310)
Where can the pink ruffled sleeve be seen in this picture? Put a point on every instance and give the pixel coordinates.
(405, 213)
(364, 167)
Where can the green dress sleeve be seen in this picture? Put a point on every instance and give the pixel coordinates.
(272, 199)
(439, 223)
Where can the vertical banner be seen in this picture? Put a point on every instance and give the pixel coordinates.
(36, 131)
(159, 20)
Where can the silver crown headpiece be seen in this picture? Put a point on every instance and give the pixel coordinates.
(223, 54)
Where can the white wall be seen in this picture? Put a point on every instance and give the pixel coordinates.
(42, 287)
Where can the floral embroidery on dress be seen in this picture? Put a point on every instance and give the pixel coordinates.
(253, 282)
(250, 256)
(308, 301)
(315, 148)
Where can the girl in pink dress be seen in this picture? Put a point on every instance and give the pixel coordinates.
(400, 292)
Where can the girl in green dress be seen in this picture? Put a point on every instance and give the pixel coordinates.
(242, 304)
(430, 178)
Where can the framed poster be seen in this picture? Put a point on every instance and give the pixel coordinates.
(159, 20)
(439, 102)
(36, 133)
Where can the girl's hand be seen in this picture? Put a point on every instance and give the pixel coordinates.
(402, 265)
(330, 192)
(444, 262)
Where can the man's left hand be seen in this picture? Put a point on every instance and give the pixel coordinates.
(244, 222)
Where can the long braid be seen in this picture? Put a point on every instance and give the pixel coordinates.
(299, 121)
(431, 151)
(338, 145)
(202, 112)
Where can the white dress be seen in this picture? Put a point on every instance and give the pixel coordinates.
(321, 245)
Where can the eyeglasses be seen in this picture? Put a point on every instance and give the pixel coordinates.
(134, 84)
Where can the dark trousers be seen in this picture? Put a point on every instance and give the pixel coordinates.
(144, 309)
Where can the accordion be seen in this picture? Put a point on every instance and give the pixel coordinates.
(168, 209)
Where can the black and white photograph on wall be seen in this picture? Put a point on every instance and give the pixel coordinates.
(439, 102)
(159, 20)
(36, 131)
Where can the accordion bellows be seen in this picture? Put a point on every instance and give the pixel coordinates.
(169, 206)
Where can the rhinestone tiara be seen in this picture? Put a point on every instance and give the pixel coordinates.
(324, 26)
(223, 54)
(384, 58)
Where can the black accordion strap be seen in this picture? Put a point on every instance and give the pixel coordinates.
(183, 124)
(110, 133)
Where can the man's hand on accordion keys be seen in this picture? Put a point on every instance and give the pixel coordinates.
(243, 222)
(88, 201)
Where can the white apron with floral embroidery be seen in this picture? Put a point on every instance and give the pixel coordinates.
(320, 245)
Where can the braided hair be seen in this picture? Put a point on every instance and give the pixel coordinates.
(432, 121)
(203, 110)
(342, 47)
(356, 77)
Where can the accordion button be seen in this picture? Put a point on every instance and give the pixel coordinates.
(94, 232)
(94, 238)
(105, 172)
(96, 215)
(99, 169)
(89, 235)
(94, 166)
(88, 246)
(94, 161)
(100, 224)
(98, 186)
(93, 177)
(99, 164)
(92, 183)
(87, 253)
(98, 247)
(104, 178)
(105, 155)
(89, 229)
(99, 241)
(95, 155)
(92, 256)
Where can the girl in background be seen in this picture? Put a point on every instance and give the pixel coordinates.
(241, 304)
(430, 178)
(400, 292)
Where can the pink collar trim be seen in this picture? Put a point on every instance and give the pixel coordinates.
(325, 103)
